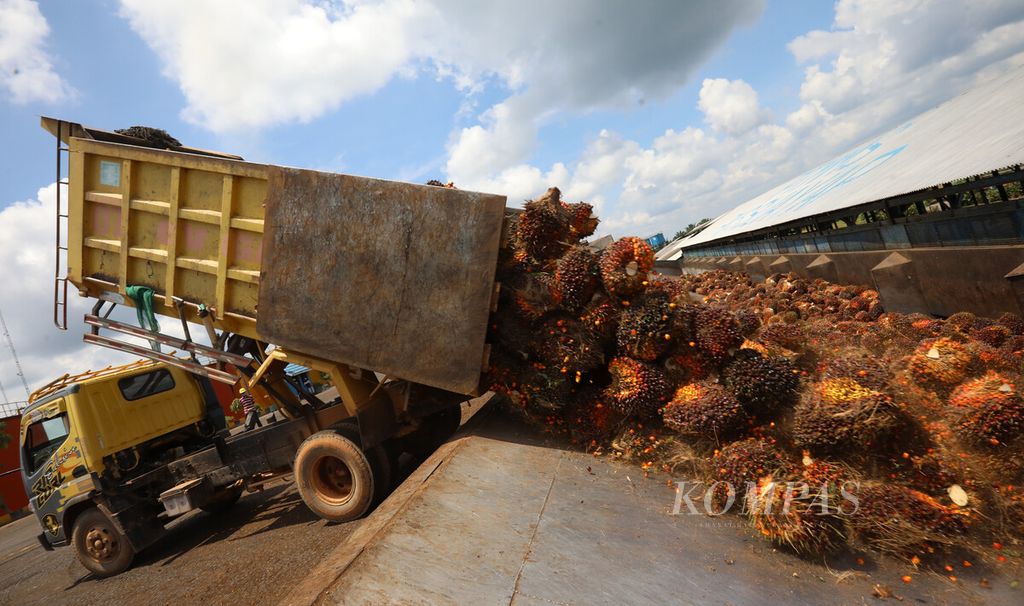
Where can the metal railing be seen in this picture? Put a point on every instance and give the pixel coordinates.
(60, 282)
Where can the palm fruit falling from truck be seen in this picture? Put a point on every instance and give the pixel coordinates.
(765, 385)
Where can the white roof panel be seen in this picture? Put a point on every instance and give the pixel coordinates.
(978, 131)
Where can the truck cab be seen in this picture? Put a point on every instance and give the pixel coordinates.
(83, 432)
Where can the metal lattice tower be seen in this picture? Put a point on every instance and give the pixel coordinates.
(14, 354)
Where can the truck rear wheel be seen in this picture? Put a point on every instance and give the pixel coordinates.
(334, 477)
(99, 545)
(433, 431)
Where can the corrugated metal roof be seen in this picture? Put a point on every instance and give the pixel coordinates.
(294, 369)
(976, 132)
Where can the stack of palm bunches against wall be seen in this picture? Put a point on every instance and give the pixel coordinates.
(766, 387)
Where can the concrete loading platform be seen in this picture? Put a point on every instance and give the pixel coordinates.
(500, 515)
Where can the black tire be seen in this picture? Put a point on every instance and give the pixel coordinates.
(223, 502)
(334, 476)
(99, 545)
(381, 463)
(433, 431)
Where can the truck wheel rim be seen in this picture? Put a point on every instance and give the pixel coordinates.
(101, 544)
(332, 480)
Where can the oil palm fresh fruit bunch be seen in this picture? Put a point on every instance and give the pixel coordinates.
(840, 416)
(905, 522)
(542, 229)
(988, 410)
(704, 410)
(717, 332)
(939, 363)
(577, 278)
(738, 466)
(789, 513)
(763, 384)
(645, 331)
(636, 389)
(625, 266)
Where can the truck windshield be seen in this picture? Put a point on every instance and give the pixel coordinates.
(43, 438)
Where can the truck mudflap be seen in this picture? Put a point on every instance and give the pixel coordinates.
(41, 537)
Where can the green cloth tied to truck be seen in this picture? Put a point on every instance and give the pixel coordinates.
(142, 296)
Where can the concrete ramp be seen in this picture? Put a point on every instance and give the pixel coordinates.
(499, 516)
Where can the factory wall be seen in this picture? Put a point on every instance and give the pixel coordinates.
(988, 281)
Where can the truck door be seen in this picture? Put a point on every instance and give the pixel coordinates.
(49, 464)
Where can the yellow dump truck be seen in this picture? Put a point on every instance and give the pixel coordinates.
(385, 287)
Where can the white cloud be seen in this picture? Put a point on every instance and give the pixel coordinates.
(574, 57)
(27, 252)
(253, 63)
(881, 63)
(26, 265)
(26, 71)
(730, 105)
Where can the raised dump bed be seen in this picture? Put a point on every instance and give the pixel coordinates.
(380, 275)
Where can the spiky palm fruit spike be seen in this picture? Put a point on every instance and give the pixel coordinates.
(542, 229)
(762, 384)
(510, 331)
(705, 411)
(717, 332)
(673, 286)
(686, 365)
(994, 335)
(645, 327)
(531, 294)
(683, 322)
(745, 462)
(904, 522)
(818, 473)
(637, 389)
(601, 316)
(862, 367)
(785, 335)
(748, 321)
(843, 419)
(939, 363)
(576, 278)
(931, 472)
(985, 357)
(790, 513)
(625, 266)
(1013, 322)
(582, 222)
(962, 322)
(565, 344)
(591, 420)
(988, 410)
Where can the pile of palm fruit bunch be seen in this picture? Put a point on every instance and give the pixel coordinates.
(913, 426)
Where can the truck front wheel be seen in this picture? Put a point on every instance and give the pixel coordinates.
(334, 477)
(100, 546)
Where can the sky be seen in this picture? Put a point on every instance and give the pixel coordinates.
(657, 112)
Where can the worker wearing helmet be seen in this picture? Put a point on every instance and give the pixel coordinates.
(249, 408)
